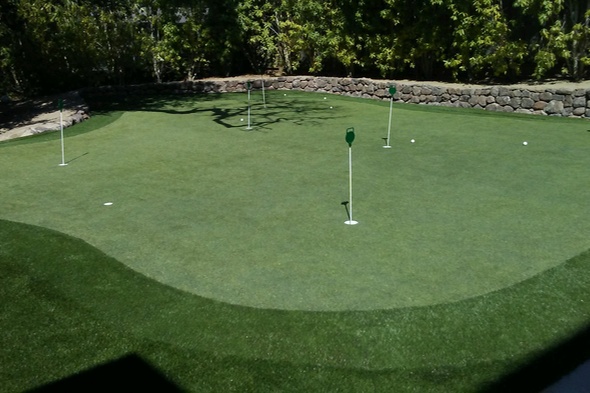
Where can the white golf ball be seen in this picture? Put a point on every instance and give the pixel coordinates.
(241, 119)
(525, 143)
(412, 141)
(331, 107)
(324, 98)
(285, 94)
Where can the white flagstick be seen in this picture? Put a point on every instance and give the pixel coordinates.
(392, 92)
(388, 146)
(351, 221)
(349, 139)
(61, 127)
(249, 127)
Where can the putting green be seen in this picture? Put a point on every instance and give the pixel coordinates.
(255, 217)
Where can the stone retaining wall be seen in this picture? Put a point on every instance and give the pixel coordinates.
(529, 99)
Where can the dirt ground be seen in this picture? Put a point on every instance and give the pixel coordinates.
(19, 119)
(30, 117)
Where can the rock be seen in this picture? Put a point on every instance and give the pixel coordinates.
(554, 107)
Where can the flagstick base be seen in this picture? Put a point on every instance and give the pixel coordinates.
(351, 222)
(387, 147)
(63, 164)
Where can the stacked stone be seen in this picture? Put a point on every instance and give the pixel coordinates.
(552, 102)
(558, 102)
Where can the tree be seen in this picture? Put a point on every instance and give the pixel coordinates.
(415, 38)
(563, 42)
(61, 45)
(54, 45)
(264, 28)
(10, 35)
(483, 43)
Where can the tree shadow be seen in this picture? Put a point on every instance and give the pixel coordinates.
(18, 113)
(129, 373)
(549, 367)
(150, 103)
(300, 111)
(262, 117)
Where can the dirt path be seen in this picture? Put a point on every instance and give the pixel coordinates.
(40, 115)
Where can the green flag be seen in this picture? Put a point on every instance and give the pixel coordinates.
(349, 136)
(392, 90)
(60, 104)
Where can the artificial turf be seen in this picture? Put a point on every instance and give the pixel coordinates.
(455, 275)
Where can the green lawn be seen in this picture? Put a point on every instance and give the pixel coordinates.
(225, 263)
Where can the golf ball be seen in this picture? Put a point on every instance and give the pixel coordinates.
(331, 107)
(324, 98)
(285, 94)
(525, 143)
(241, 119)
(412, 141)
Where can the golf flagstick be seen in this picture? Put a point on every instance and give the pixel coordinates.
(249, 85)
(392, 92)
(60, 104)
(349, 139)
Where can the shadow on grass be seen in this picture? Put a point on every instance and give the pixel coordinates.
(136, 102)
(92, 124)
(14, 114)
(549, 367)
(75, 158)
(304, 111)
(129, 373)
(106, 110)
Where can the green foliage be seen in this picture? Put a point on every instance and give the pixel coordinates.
(481, 41)
(564, 36)
(52, 45)
(285, 34)
(409, 40)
